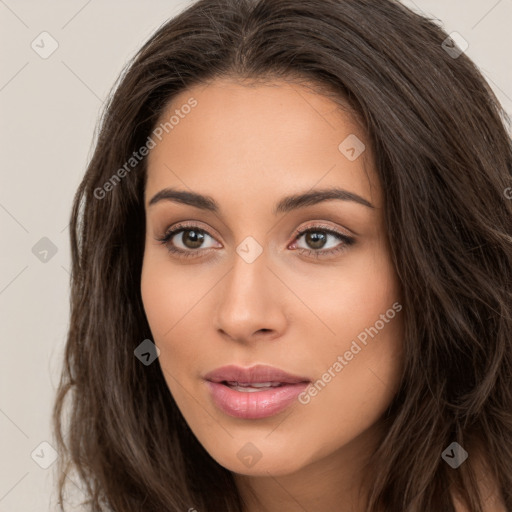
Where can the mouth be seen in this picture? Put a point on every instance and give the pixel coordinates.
(253, 393)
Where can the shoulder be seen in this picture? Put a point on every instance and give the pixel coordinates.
(492, 503)
(492, 498)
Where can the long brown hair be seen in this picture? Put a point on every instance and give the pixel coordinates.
(444, 160)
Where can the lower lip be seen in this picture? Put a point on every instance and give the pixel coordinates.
(257, 404)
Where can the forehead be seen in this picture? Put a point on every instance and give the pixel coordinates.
(254, 141)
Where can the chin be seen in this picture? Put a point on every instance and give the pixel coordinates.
(250, 462)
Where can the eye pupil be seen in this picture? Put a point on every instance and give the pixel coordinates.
(196, 238)
(316, 238)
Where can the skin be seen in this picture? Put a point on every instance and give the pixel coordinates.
(247, 147)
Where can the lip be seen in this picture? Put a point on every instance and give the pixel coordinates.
(257, 373)
(254, 404)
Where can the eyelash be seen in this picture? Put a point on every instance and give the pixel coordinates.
(193, 253)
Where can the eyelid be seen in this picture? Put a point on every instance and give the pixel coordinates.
(322, 225)
(346, 239)
(178, 227)
(190, 224)
(298, 231)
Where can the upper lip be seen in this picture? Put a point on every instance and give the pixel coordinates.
(254, 374)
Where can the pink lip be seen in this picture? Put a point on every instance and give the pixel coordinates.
(258, 404)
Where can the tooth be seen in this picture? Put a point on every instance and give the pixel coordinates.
(253, 384)
(246, 389)
(252, 387)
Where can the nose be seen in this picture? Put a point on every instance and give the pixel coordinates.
(252, 302)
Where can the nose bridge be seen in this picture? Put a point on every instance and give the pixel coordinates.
(248, 299)
(246, 283)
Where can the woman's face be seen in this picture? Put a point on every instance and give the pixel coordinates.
(245, 289)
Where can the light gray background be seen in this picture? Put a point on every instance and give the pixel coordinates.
(48, 111)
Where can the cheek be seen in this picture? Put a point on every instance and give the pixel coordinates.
(355, 382)
(349, 298)
(170, 293)
(358, 363)
(174, 298)
(159, 303)
(359, 382)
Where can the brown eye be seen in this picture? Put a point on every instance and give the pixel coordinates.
(315, 239)
(322, 242)
(192, 238)
(187, 241)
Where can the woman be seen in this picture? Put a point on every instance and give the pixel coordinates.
(292, 271)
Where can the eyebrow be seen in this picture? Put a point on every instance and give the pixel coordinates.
(286, 204)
